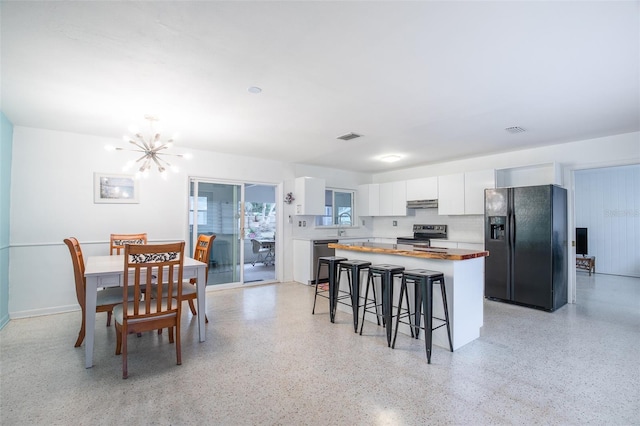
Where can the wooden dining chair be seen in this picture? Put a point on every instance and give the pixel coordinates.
(107, 298)
(118, 241)
(201, 253)
(141, 264)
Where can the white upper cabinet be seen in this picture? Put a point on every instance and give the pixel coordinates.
(474, 185)
(463, 193)
(393, 198)
(451, 194)
(368, 199)
(422, 189)
(309, 195)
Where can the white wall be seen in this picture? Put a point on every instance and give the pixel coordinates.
(52, 198)
(608, 205)
(6, 143)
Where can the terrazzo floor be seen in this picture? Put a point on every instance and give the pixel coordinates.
(268, 361)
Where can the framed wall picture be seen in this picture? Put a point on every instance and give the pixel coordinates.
(114, 188)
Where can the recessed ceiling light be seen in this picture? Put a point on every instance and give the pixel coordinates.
(254, 89)
(391, 158)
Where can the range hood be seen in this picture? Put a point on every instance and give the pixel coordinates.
(422, 204)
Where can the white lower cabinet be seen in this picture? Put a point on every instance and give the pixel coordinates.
(302, 261)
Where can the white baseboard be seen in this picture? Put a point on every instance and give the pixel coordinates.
(44, 311)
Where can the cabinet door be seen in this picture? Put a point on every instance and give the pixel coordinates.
(368, 200)
(399, 205)
(309, 193)
(422, 189)
(474, 185)
(386, 199)
(302, 261)
(451, 194)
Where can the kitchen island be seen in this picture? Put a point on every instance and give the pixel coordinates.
(464, 276)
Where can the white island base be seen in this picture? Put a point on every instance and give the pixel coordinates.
(465, 294)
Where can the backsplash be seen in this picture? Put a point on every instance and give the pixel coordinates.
(460, 228)
(467, 228)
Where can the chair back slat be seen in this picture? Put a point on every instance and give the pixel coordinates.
(118, 241)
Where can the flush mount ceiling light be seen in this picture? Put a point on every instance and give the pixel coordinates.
(515, 129)
(254, 89)
(152, 148)
(391, 158)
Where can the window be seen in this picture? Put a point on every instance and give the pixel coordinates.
(202, 210)
(338, 208)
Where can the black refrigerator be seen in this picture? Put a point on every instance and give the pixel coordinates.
(526, 236)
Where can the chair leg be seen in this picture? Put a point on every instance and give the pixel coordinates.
(81, 333)
(366, 298)
(315, 297)
(125, 369)
(118, 339)
(403, 288)
(446, 312)
(192, 307)
(178, 346)
(171, 339)
(109, 313)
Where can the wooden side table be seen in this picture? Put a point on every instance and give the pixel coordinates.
(586, 262)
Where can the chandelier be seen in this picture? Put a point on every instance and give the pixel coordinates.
(152, 148)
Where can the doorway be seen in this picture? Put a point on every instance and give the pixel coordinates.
(240, 215)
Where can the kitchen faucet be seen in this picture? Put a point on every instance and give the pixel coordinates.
(341, 230)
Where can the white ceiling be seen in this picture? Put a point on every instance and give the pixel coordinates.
(432, 81)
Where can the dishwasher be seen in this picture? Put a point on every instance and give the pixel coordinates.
(320, 249)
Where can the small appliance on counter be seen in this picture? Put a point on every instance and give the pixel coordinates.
(423, 234)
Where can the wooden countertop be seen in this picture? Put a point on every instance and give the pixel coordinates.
(411, 250)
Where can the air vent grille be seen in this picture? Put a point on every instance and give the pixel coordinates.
(349, 136)
(515, 129)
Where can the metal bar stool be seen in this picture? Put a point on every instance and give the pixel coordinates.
(386, 273)
(331, 262)
(354, 268)
(423, 280)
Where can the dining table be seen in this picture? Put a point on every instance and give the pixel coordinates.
(108, 271)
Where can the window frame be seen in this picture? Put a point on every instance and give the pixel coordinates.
(330, 210)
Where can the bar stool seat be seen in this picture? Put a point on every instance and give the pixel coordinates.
(331, 262)
(354, 268)
(423, 280)
(386, 273)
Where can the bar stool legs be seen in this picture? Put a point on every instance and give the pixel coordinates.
(386, 273)
(331, 262)
(424, 280)
(354, 268)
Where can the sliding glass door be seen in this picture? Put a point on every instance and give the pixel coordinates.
(243, 219)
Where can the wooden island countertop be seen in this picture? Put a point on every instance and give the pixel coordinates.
(411, 250)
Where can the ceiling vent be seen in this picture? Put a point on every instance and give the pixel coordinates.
(349, 136)
(515, 129)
